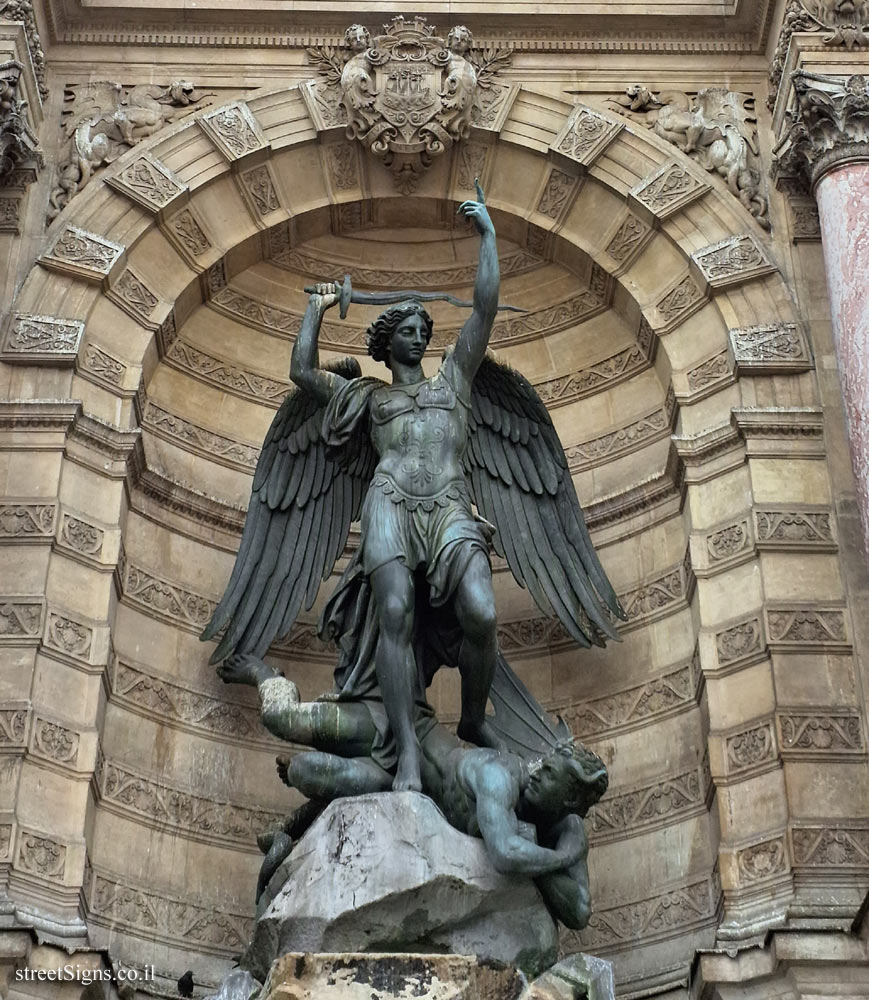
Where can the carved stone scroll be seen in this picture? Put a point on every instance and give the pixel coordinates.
(26, 520)
(669, 189)
(731, 262)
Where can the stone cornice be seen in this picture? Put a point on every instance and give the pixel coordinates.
(827, 126)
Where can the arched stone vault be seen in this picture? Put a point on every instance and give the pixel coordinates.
(174, 243)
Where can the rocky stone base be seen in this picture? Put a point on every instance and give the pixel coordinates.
(386, 873)
(429, 977)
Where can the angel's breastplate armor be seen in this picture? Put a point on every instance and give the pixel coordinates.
(420, 432)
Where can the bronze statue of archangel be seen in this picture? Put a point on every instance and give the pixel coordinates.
(412, 459)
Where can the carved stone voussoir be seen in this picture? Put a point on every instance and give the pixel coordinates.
(41, 339)
(187, 232)
(827, 125)
(682, 300)
(558, 194)
(820, 733)
(804, 628)
(629, 240)
(149, 183)
(99, 366)
(585, 135)
(706, 378)
(731, 262)
(133, 296)
(769, 349)
(234, 131)
(259, 190)
(667, 191)
(82, 254)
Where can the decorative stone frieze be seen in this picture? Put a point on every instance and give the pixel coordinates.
(49, 340)
(637, 434)
(787, 529)
(660, 697)
(26, 521)
(166, 600)
(770, 348)
(677, 910)
(781, 432)
(161, 700)
(716, 127)
(192, 437)
(827, 126)
(83, 255)
(226, 375)
(669, 800)
(160, 804)
(840, 844)
(41, 855)
(803, 628)
(20, 619)
(706, 378)
(341, 165)
(234, 131)
(303, 261)
(667, 191)
(731, 262)
(149, 183)
(188, 922)
(820, 734)
(585, 135)
(750, 750)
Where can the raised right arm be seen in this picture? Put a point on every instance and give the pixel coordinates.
(305, 368)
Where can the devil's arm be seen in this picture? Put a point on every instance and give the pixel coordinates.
(305, 368)
(566, 892)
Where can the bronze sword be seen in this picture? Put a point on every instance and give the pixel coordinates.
(348, 295)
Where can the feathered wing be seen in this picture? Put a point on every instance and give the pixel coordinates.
(301, 506)
(521, 482)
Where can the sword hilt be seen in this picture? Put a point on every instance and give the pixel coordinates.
(344, 295)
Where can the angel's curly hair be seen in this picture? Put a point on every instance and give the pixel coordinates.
(378, 337)
(586, 773)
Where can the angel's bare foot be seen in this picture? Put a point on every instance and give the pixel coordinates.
(407, 776)
(242, 668)
(481, 735)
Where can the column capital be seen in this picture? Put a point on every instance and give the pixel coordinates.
(826, 126)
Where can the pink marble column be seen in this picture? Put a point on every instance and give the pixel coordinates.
(843, 206)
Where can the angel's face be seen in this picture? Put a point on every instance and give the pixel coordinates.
(409, 341)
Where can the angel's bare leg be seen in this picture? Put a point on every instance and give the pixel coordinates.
(327, 776)
(395, 664)
(338, 727)
(475, 608)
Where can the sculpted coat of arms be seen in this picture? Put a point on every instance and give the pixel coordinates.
(408, 93)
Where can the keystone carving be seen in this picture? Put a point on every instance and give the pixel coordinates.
(716, 127)
(828, 124)
(18, 142)
(847, 22)
(102, 120)
(407, 95)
